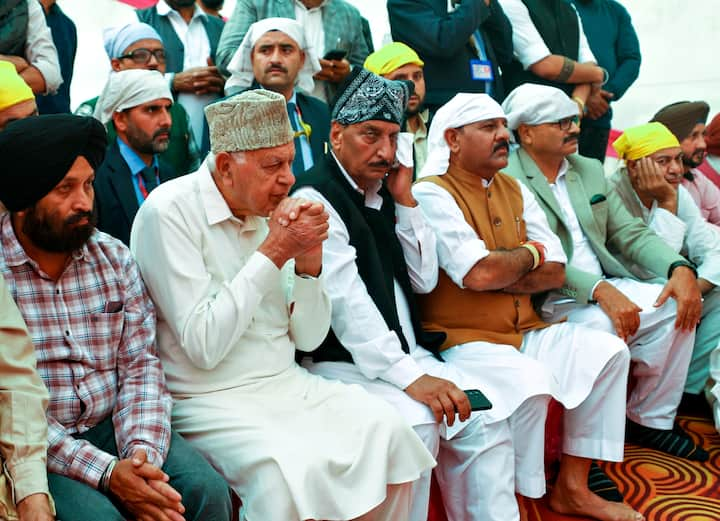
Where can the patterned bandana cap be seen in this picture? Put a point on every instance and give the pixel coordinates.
(250, 120)
(681, 117)
(365, 96)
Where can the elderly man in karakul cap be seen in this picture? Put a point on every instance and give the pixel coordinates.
(381, 251)
(17, 100)
(275, 55)
(601, 239)
(496, 250)
(238, 293)
(649, 185)
(111, 452)
(686, 119)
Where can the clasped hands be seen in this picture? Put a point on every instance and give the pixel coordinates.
(143, 490)
(297, 229)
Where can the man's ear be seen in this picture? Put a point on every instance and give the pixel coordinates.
(302, 58)
(451, 138)
(631, 164)
(115, 64)
(119, 120)
(524, 134)
(222, 166)
(336, 135)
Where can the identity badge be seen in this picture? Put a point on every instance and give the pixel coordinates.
(481, 70)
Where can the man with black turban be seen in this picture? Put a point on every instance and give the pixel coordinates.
(111, 453)
(686, 119)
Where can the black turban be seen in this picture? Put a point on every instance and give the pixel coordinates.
(681, 117)
(38, 151)
(365, 96)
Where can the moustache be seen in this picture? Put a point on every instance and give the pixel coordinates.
(378, 164)
(275, 67)
(164, 130)
(79, 216)
(572, 137)
(502, 144)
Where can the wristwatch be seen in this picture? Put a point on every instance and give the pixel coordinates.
(685, 263)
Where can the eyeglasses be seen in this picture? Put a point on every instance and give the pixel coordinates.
(566, 123)
(142, 56)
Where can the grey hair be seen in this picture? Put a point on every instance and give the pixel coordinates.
(211, 159)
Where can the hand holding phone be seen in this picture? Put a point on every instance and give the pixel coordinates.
(478, 401)
(335, 54)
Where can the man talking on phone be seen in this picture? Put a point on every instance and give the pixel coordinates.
(379, 251)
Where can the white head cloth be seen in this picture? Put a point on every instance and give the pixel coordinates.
(240, 65)
(130, 88)
(462, 110)
(537, 104)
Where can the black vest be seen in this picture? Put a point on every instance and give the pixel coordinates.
(379, 257)
(13, 27)
(557, 23)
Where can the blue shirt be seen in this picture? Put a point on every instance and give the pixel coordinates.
(614, 43)
(135, 164)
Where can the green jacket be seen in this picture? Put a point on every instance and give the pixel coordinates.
(605, 221)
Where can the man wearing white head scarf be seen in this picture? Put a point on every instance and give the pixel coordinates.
(138, 46)
(600, 290)
(275, 55)
(379, 252)
(138, 104)
(496, 251)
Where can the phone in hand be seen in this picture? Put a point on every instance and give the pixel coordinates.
(335, 54)
(478, 401)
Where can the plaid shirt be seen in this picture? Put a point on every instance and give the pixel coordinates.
(94, 336)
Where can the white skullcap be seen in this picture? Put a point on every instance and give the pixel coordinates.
(128, 89)
(462, 110)
(534, 104)
(240, 66)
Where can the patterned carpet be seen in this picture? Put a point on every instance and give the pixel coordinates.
(661, 487)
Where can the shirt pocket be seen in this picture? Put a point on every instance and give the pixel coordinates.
(105, 336)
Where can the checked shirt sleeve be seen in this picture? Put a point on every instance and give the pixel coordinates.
(142, 413)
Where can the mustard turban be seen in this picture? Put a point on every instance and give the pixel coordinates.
(390, 57)
(13, 88)
(643, 140)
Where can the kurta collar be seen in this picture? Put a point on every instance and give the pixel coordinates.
(214, 204)
(467, 177)
(298, 3)
(373, 199)
(163, 9)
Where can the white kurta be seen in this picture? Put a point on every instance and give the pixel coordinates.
(291, 444)
(587, 369)
(478, 466)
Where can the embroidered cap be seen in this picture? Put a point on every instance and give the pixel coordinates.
(250, 120)
(364, 96)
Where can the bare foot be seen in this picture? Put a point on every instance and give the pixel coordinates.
(586, 503)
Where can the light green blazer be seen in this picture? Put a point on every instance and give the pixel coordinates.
(604, 220)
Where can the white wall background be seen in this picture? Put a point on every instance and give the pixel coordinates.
(679, 40)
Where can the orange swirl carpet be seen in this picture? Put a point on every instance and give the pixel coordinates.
(661, 487)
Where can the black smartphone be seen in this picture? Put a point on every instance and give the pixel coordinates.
(478, 401)
(335, 54)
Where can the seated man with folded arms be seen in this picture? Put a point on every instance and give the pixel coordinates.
(600, 291)
(650, 187)
(111, 453)
(24, 492)
(379, 251)
(237, 292)
(495, 251)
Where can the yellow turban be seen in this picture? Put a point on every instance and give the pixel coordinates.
(641, 141)
(390, 57)
(13, 88)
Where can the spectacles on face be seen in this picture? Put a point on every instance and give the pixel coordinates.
(566, 123)
(142, 56)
